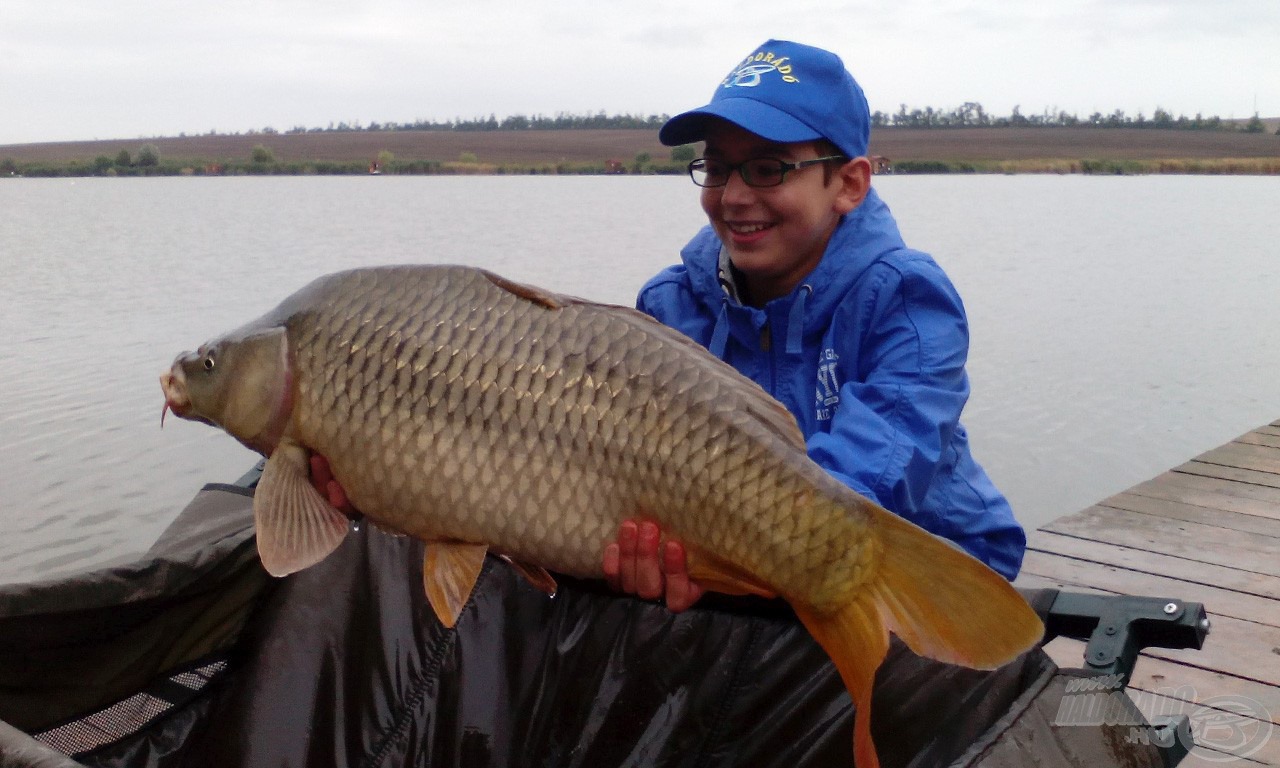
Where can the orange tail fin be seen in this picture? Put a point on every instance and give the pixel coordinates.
(942, 602)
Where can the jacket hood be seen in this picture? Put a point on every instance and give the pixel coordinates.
(862, 237)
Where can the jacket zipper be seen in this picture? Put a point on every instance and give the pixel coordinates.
(766, 346)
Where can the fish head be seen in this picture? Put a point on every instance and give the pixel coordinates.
(241, 383)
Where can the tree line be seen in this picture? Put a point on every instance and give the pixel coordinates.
(968, 115)
(972, 115)
(518, 122)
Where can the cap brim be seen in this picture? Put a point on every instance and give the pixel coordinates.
(757, 117)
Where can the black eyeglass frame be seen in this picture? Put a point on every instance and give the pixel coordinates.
(698, 165)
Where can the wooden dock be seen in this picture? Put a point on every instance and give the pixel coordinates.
(1207, 531)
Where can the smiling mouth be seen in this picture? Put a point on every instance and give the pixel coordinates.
(747, 229)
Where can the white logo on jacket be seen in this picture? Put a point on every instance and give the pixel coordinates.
(828, 384)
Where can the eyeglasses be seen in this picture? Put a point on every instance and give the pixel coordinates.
(761, 172)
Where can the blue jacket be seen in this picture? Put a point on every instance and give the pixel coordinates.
(869, 355)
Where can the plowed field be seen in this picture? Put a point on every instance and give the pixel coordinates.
(598, 146)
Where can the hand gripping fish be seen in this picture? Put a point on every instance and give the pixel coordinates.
(481, 415)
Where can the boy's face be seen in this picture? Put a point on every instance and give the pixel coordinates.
(775, 236)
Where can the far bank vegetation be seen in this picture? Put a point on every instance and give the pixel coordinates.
(965, 139)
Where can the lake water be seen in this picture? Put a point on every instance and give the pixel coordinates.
(1120, 325)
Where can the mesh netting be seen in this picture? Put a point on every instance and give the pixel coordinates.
(126, 717)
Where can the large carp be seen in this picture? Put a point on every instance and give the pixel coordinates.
(481, 415)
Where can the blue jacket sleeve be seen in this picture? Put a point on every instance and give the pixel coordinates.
(903, 386)
(895, 436)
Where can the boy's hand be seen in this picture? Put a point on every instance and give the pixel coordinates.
(635, 566)
(322, 480)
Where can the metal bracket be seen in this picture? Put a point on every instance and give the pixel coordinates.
(1172, 736)
(1118, 627)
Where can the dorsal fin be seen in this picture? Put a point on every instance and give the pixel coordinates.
(531, 292)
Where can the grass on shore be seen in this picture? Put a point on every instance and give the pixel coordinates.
(959, 150)
(332, 168)
(1130, 167)
(1253, 166)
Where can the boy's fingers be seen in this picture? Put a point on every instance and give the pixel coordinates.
(648, 573)
(627, 536)
(320, 473)
(682, 592)
(612, 565)
(332, 490)
(338, 497)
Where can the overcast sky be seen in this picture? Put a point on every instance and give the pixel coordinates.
(89, 69)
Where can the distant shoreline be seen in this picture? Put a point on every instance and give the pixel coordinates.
(630, 151)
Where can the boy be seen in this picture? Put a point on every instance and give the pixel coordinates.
(802, 282)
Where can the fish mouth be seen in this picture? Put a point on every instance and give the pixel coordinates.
(174, 384)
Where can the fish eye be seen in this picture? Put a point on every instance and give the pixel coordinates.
(209, 362)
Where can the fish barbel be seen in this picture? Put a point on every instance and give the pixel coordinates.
(485, 416)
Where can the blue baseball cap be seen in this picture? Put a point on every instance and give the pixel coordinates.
(785, 92)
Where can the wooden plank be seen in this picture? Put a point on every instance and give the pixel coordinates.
(1243, 456)
(1206, 531)
(1036, 581)
(1201, 758)
(1244, 649)
(1191, 513)
(1213, 491)
(1191, 541)
(1217, 601)
(1259, 438)
(1193, 571)
(1250, 476)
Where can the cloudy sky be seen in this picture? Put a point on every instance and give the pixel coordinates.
(86, 69)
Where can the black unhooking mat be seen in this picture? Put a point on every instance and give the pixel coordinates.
(195, 657)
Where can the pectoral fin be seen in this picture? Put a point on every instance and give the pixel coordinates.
(296, 526)
(449, 573)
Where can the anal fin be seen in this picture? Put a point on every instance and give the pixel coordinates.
(715, 574)
(856, 640)
(296, 526)
(449, 574)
